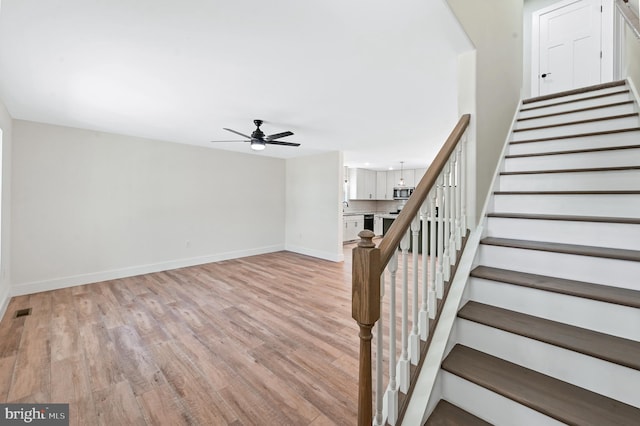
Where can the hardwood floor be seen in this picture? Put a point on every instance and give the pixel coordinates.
(265, 340)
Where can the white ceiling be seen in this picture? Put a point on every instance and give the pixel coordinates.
(375, 79)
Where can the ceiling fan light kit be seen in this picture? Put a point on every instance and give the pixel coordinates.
(259, 140)
(257, 145)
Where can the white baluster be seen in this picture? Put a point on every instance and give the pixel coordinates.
(440, 238)
(414, 339)
(392, 390)
(379, 365)
(458, 189)
(463, 185)
(446, 262)
(403, 364)
(424, 308)
(452, 211)
(433, 254)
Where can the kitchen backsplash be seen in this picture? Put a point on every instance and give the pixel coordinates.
(357, 206)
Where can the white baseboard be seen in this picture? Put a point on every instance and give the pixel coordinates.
(94, 277)
(4, 300)
(333, 257)
(634, 89)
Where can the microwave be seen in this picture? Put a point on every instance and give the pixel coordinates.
(402, 192)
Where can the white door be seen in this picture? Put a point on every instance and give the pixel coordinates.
(569, 46)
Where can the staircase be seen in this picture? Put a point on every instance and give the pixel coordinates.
(550, 331)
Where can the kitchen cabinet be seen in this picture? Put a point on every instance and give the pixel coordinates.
(377, 224)
(393, 176)
(381, 186)
(362, 184)
(417, 175)
(353, 224)
(408, 176)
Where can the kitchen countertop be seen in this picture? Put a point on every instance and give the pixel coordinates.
(360, 213)
(389, 215)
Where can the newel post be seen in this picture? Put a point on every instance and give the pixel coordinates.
(365, 309)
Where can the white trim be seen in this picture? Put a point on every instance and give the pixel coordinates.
(607, 36)
(495, 181)
(94, 277)
(4, 302)
(634, 90)
(333, 257)
(535, 42)
(425, 384)
(607, 41)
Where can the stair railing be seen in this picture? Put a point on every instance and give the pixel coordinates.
(438, 208)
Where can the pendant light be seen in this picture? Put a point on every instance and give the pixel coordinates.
(401, 183)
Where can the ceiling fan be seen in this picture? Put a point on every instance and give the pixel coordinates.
(259, 140)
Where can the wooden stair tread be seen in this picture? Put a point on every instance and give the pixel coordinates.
(557, 399)
(577, 122)
(586, 98)
(575, 91)
(574, 151)
(447, 414)
(578, 135)
(598, 192)
(583, 170)
(602, 293)
(573, 111)
(605, 252)
(567, 218)
(599, 345)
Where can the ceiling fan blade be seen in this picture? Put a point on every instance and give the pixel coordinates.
(282, 143)
(237, 133)
(279, 135)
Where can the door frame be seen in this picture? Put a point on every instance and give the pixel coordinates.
(606, 41)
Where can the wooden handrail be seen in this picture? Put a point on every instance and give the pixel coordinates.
(369, 261)
(408, 213)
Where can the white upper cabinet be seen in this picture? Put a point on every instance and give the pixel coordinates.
(408, 177)
(381, 186)
(418, 174)
(393, 177)
(362, 184)
(367, 184)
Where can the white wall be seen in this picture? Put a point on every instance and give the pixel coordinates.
(89, 206)
(314, 205)
(5, 224)
(495, 29)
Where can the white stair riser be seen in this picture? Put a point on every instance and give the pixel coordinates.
(572, 181)
(603, 317)
(615, 158)
(585, 142)
(605, 111)
(600, 234)
(573, 129)
(488, 405)
(578, 96)
(598, 270)
(608, 205)
(602, 377)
